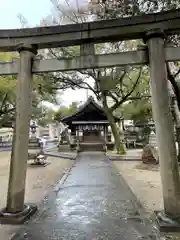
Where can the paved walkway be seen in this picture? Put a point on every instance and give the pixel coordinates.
(94, 203)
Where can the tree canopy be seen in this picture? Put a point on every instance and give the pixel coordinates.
(66, 111)
(43, 90)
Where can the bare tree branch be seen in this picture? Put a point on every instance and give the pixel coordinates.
(174, 84)
(138, 98)
(125, 98)
(177, 73)
(7, 111)
(3, 101)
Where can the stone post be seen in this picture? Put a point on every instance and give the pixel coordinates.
(19, 156)
(163, 122)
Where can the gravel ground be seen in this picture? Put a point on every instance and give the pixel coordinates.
(144, 181)
(39, 181)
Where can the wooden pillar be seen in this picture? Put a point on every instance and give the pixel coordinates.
(77, 129)
(19, 156)
(105, 133)
(163, 122)
(73, 134)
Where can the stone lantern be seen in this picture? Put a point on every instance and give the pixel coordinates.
(33, 128)
(35, 147)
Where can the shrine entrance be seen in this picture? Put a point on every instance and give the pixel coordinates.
(93, 132)
(91, 136)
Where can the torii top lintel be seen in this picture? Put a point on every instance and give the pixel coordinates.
(95, 32)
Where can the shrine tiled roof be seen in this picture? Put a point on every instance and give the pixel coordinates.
(88, 106)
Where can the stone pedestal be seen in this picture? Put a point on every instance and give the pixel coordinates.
(19, 217)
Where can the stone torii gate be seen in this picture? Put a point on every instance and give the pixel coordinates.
(152, 28)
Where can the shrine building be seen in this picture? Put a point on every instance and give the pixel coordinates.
(89, 127)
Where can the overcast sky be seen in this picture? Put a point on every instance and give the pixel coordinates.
(34, 11)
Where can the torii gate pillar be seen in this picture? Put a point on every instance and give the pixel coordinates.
(164, 126)
(16, 211)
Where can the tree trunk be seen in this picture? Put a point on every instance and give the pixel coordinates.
(175, 107)
(122, 131)
(115, 131)
(174, 84)
(177, 127)
(178, 142)
(176, 119)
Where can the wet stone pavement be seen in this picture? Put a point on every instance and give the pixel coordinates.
(93, 203)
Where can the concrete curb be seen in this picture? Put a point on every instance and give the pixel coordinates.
(59, 155)
(124, 158)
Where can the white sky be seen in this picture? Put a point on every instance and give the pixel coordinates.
(34, 11)
(70, 96)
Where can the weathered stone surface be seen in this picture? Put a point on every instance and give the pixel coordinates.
(150, 155)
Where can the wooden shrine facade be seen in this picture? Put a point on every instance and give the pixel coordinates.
(91, 131)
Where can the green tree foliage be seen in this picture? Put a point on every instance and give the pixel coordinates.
(44, 89)
(7, 92)
(140, 111)
(66, 111)
(137, 107)
(46, 116)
